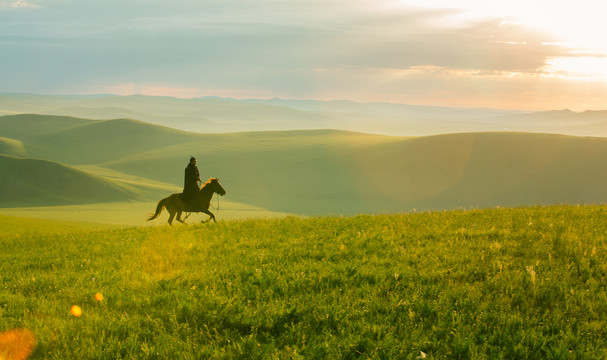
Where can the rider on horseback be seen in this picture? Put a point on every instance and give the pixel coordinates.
(190, 182)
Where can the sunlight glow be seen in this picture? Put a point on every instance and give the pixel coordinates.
(445, 72)
(580, 68)
(578, 25)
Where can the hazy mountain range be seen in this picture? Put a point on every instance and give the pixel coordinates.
(50, 159)
(221, 115)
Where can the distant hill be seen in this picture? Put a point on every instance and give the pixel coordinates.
(586, 123)
(222, 115)
(25, 126)
(325, 171)
(225, 115)
(486, 170)
(207, 115)
(320, 172)
(82, 141)
(30, 182)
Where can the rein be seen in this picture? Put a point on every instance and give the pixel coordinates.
(211, 205)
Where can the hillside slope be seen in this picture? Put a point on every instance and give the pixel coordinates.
(488, 169)
(316, 172)
(30, 182)
(320, 172)
(12, 147)
(78, 141)
(25, 126)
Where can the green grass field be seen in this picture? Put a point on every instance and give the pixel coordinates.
(136, 213)
(523, 283)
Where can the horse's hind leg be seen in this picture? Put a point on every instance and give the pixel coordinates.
(212, 217)
(171, 216)
(179, 217)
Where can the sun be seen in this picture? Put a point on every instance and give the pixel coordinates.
(576, 26)
(585, 68)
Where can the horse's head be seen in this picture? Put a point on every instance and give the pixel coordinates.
(214, 185)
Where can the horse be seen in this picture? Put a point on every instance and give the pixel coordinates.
(175, 204)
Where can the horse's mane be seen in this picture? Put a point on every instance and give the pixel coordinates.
(207, 183)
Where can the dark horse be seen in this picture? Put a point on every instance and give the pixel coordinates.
(175, 204)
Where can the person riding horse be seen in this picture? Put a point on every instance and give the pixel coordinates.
(190, 182)
(176, 206)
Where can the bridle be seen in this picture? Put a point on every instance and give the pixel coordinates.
(211, 205)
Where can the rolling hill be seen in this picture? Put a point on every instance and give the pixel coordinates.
(320, 172)
(80, 141)
(30, 126)
(489, 169)
(31, 182)
(226, 115)
(316, 172)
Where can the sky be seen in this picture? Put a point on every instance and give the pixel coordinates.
(514, 54)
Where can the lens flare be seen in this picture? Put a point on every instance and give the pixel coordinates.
(17, 344)
(76, 311)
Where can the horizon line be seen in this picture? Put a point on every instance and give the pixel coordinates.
(275, 98)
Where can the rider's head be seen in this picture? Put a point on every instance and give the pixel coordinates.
(193, 160)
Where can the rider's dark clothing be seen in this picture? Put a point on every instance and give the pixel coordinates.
(190, 182)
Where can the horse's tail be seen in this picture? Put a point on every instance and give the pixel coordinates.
(159, 208)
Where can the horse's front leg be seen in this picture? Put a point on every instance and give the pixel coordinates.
(212, 217)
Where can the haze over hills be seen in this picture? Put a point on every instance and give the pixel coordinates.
(316, 172)
(221, 115)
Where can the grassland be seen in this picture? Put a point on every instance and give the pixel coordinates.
(17, 227)
(135, 213)
(523, 283)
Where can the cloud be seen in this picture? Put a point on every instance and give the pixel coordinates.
(287, 48)
(11, 4)
(394, 42)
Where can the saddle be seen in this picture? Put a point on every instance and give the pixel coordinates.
(188, 206)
